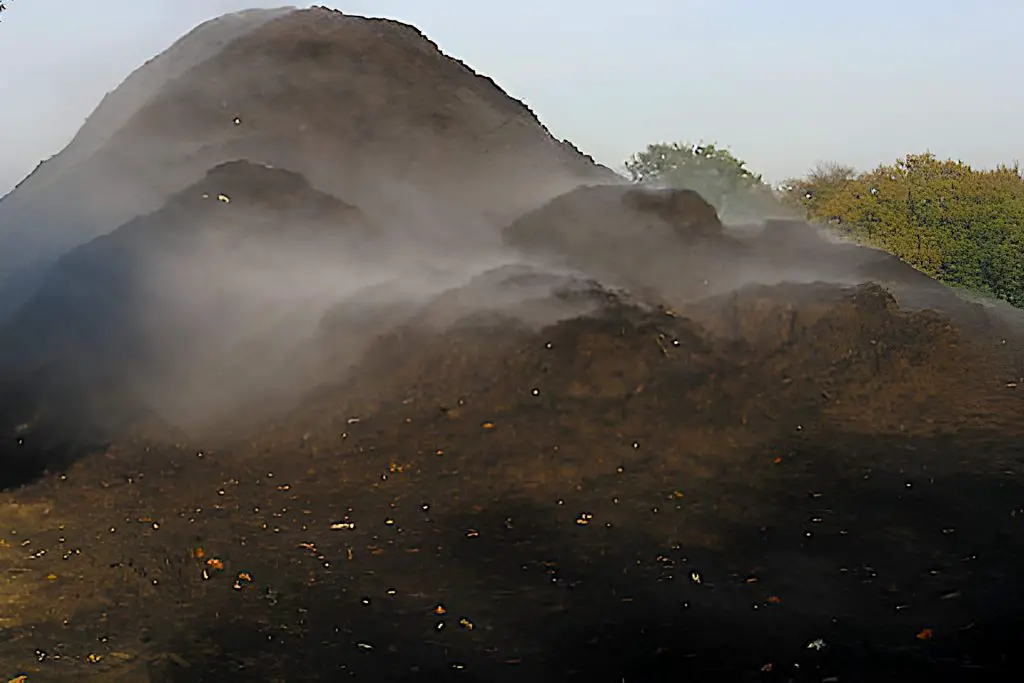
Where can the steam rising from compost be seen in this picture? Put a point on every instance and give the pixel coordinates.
(276, 230)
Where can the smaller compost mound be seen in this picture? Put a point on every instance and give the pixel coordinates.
(186, 308)
(666, 243)
(669, 246)
(508, 301)
(802, 252)
(750, 366)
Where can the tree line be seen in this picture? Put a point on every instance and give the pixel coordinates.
(960, 225)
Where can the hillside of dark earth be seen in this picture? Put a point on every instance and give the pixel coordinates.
(335, 364)
(369, 110)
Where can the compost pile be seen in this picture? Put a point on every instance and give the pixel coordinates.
(469, 408)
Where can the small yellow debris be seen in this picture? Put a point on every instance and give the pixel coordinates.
(488, 425)
(51, 577)
(242, 580)
(466, 624)
(224, 198)
(439, 452)
(18, 679)
(94, 658)
(677, 494)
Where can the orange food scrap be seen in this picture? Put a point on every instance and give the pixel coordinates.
(199, 553)
(488, 425)
(215, 563)
(777, 460)
(925, 634)
(773, 599)
(440, 610)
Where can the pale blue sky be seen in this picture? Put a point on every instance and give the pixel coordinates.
(783, 84)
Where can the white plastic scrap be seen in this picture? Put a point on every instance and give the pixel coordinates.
(695, 577)
(818, 644)
(224, 198)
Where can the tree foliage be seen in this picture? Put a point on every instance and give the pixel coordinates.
(962, 226)
(736, 192)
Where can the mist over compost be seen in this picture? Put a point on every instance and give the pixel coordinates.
(322, 339)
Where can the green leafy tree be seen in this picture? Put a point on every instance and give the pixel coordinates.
(962, 226)
(735, 191)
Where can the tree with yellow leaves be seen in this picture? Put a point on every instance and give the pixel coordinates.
(962, 226)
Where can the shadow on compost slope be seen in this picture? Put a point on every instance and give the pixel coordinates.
(900, 564)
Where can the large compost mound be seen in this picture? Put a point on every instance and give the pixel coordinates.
(369, 110)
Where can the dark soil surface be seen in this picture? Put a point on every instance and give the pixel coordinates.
(626, 496)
